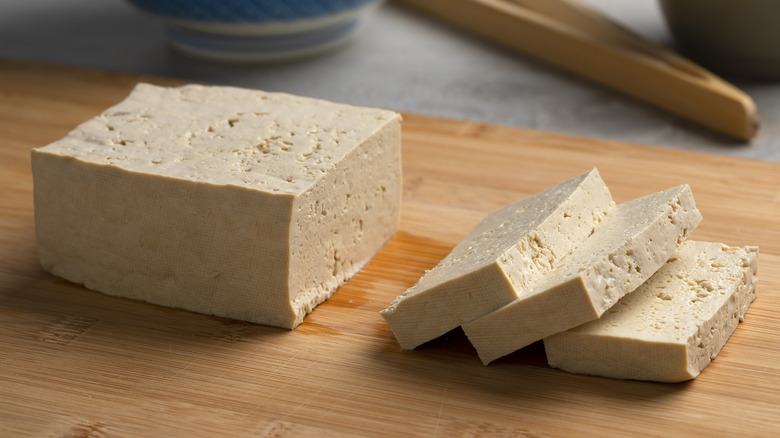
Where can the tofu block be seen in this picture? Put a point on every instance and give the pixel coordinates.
(673, 325)
(509, 251)
(230, 202)
(627, 247)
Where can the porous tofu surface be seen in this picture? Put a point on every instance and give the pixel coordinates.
(232, 202)
(503, 256)
(673, 325)
(224, 135)
(626, 248)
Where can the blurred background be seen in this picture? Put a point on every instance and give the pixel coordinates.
(398, 60)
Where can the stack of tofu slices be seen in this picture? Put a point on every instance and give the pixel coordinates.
(613, 290)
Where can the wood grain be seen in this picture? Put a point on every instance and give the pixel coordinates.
(74, 362)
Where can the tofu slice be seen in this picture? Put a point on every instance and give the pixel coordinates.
(509, 251)
(627, 247)
(225, 201)
(673, 325)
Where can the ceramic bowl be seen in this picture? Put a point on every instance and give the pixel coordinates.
(258, 30)
(734, 38)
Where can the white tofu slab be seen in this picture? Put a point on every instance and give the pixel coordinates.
(509, 251)
(673, 325)
(627, 247)
(220, 200)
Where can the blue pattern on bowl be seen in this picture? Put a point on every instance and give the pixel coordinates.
(257, 11)
(258, 30)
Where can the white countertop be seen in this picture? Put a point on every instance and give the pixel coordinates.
(399, 60)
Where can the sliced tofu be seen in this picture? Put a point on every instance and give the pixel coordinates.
(507, 253)
(673, 325)
(231, 202)
(627, 247)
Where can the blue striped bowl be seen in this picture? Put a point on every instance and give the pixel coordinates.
(258, 30)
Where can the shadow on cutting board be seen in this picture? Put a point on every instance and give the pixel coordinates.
(523, 374)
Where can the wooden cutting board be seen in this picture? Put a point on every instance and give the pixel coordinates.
(74, 362)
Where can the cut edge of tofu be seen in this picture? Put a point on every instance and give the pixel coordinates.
(422, 314)
(595, 349)
(589, 290)
(342, 252)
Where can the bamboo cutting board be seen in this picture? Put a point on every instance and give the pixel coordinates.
(74, 362)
